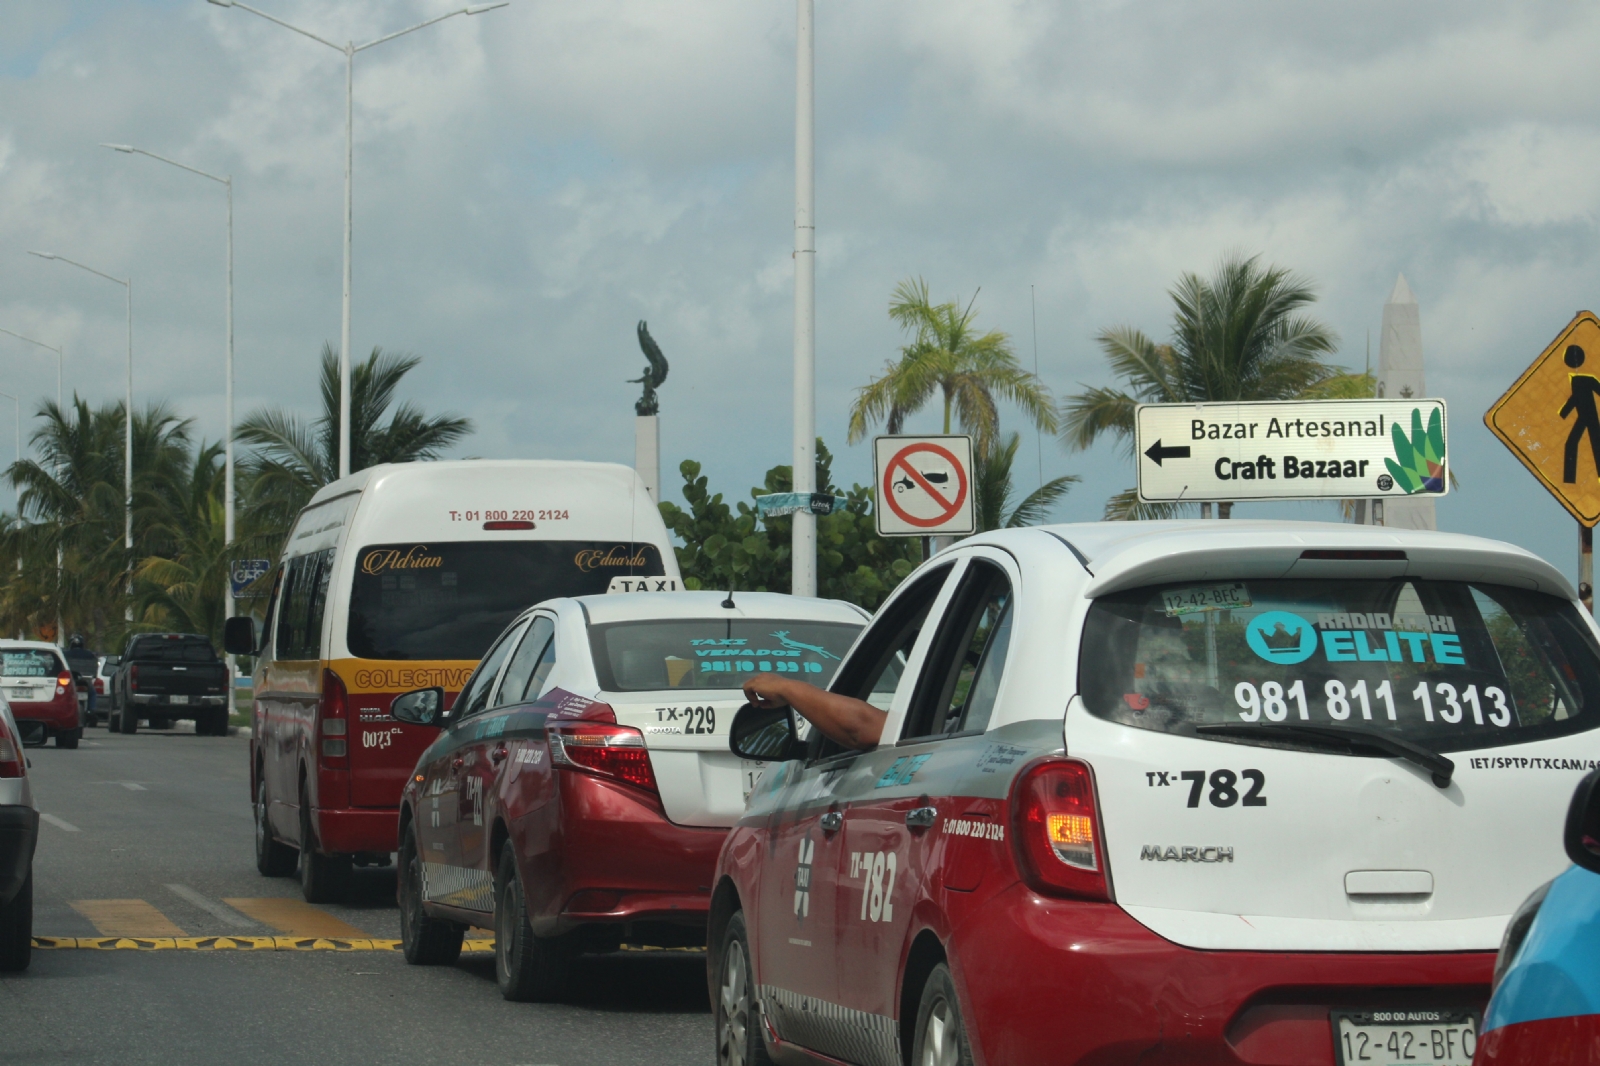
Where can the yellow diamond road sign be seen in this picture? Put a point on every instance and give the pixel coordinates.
(1550, 418)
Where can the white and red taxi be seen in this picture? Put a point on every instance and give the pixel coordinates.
(1164, 792)
(578, 794)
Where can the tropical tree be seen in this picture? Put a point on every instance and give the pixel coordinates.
(1238, 335)
(292, 459)
(993, 490)
(185, 589)
(947, 357)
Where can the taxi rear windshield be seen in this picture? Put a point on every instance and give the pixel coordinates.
(450, 600)
(1449, 665)
(714, 653)
(29, 662)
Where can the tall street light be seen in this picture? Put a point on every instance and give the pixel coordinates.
(349, 49)
(227, 464)
(803, 552)
(60, 359)
(127, 421)
(17, 404)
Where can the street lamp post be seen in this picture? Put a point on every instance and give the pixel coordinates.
(60, 360)
(227, 464)
(17, 405)
(803, 553)
(349, 50)
(127, 421)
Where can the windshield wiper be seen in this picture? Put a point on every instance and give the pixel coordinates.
(1342, 739)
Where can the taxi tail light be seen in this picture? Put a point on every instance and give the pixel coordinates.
(333, 719)
(10, 752)
(599, 748)
(1055, 820)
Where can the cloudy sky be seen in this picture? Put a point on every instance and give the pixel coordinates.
(532, 181)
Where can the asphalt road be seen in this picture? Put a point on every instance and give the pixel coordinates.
(149, 836)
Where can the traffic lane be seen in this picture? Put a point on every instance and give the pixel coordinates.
(163, 820)
(354, 1008)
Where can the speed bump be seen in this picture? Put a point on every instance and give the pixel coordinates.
(230, 943)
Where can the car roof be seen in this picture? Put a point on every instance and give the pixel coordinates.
(1118, 555)
(644, 606)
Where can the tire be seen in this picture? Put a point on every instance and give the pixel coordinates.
(528, 968)
(69, 738)
(16, 929)
(128, 720)
(216, 723)
(425, 941)
(273, 859)
(737, 1015)
(323, 878)
(941, 1036)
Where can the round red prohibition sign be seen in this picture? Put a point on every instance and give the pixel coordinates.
(900, 467)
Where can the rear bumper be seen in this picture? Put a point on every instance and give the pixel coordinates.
(19, 832)
(615, 859)
(56, 715)
(1549, 1040)
(144, 700)
(355, 829)
(1060, 981)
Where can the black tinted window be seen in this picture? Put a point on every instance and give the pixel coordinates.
(449, 600)
(305, 599)
(1450, 665)
(715, 652)
(173, 650)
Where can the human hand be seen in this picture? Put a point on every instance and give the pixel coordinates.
(765, 690)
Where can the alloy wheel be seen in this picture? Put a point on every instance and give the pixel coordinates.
(941, 1040)
(735, 1012)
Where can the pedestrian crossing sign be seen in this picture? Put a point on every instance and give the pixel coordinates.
(1550, 418)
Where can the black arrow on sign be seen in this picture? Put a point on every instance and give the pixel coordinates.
(1158, 453)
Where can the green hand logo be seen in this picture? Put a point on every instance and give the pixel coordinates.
(1421, 457)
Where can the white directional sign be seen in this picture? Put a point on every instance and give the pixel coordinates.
(1306, 449)
(924, 486)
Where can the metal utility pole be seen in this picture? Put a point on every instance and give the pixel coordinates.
(227, 463)
(349, 50)
(61, 359)
(127, 421)
(803, 556)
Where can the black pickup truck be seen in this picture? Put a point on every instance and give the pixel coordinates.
(167, 676)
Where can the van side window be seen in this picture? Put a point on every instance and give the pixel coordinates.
(966, 659)
(296, 606)
(875, 669)
(319, 603)
(523, 662)
(475, 695)
(271, 620)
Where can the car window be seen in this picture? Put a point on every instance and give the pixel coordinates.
(475, 696)
(700, 653)
(29, 662)
(542, 672)
(523, 661)
(1450, 665)
(876, 668)
(968, 654)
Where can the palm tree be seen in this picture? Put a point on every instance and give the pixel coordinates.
(186, 588)
(1238, 335)
(949, 357)
(293, 460)
(992, 489)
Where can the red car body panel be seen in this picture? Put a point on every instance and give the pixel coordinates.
(1572, 1039)
(58, 714)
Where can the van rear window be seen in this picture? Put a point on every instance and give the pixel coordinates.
(1449, 665)
(450, 600)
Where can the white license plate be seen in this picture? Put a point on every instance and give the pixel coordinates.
(178, 701)
(1229, 597)
(23, 693)
(750, 773)
(1412, 1037)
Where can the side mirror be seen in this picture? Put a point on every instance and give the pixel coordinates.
(423, 706)
(239, 635)
(1582, 835)
(765, 734)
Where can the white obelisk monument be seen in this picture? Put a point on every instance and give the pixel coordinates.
(647, 453)
(1400, 376)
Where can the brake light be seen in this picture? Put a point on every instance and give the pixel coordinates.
(332, 714)
(10, 753)
(599, 748)
(1056, 830)
(133, 678)
(99, 687)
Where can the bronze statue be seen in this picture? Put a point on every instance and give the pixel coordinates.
(654, 374)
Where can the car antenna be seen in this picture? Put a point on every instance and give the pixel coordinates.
(728, 603)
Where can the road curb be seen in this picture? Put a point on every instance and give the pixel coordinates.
(229, 943)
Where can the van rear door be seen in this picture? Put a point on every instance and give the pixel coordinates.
(1369, 764)
(678, 681)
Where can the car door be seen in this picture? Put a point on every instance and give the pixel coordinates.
(446, 797)
(486, 754)
(796, 961)
(903, 799)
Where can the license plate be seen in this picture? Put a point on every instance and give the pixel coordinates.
(750, 773)
(23, 693)
(1228, 597)
(1412, 1037)
(177, 701)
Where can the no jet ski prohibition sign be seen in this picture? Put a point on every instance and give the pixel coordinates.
(1291, 450)
(924, 485)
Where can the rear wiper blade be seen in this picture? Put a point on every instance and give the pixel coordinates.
(1344, 739)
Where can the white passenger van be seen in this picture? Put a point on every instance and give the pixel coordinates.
(398, 577)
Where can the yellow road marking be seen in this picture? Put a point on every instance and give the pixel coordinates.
(126, 917)
(231, 943)
(295, 917)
